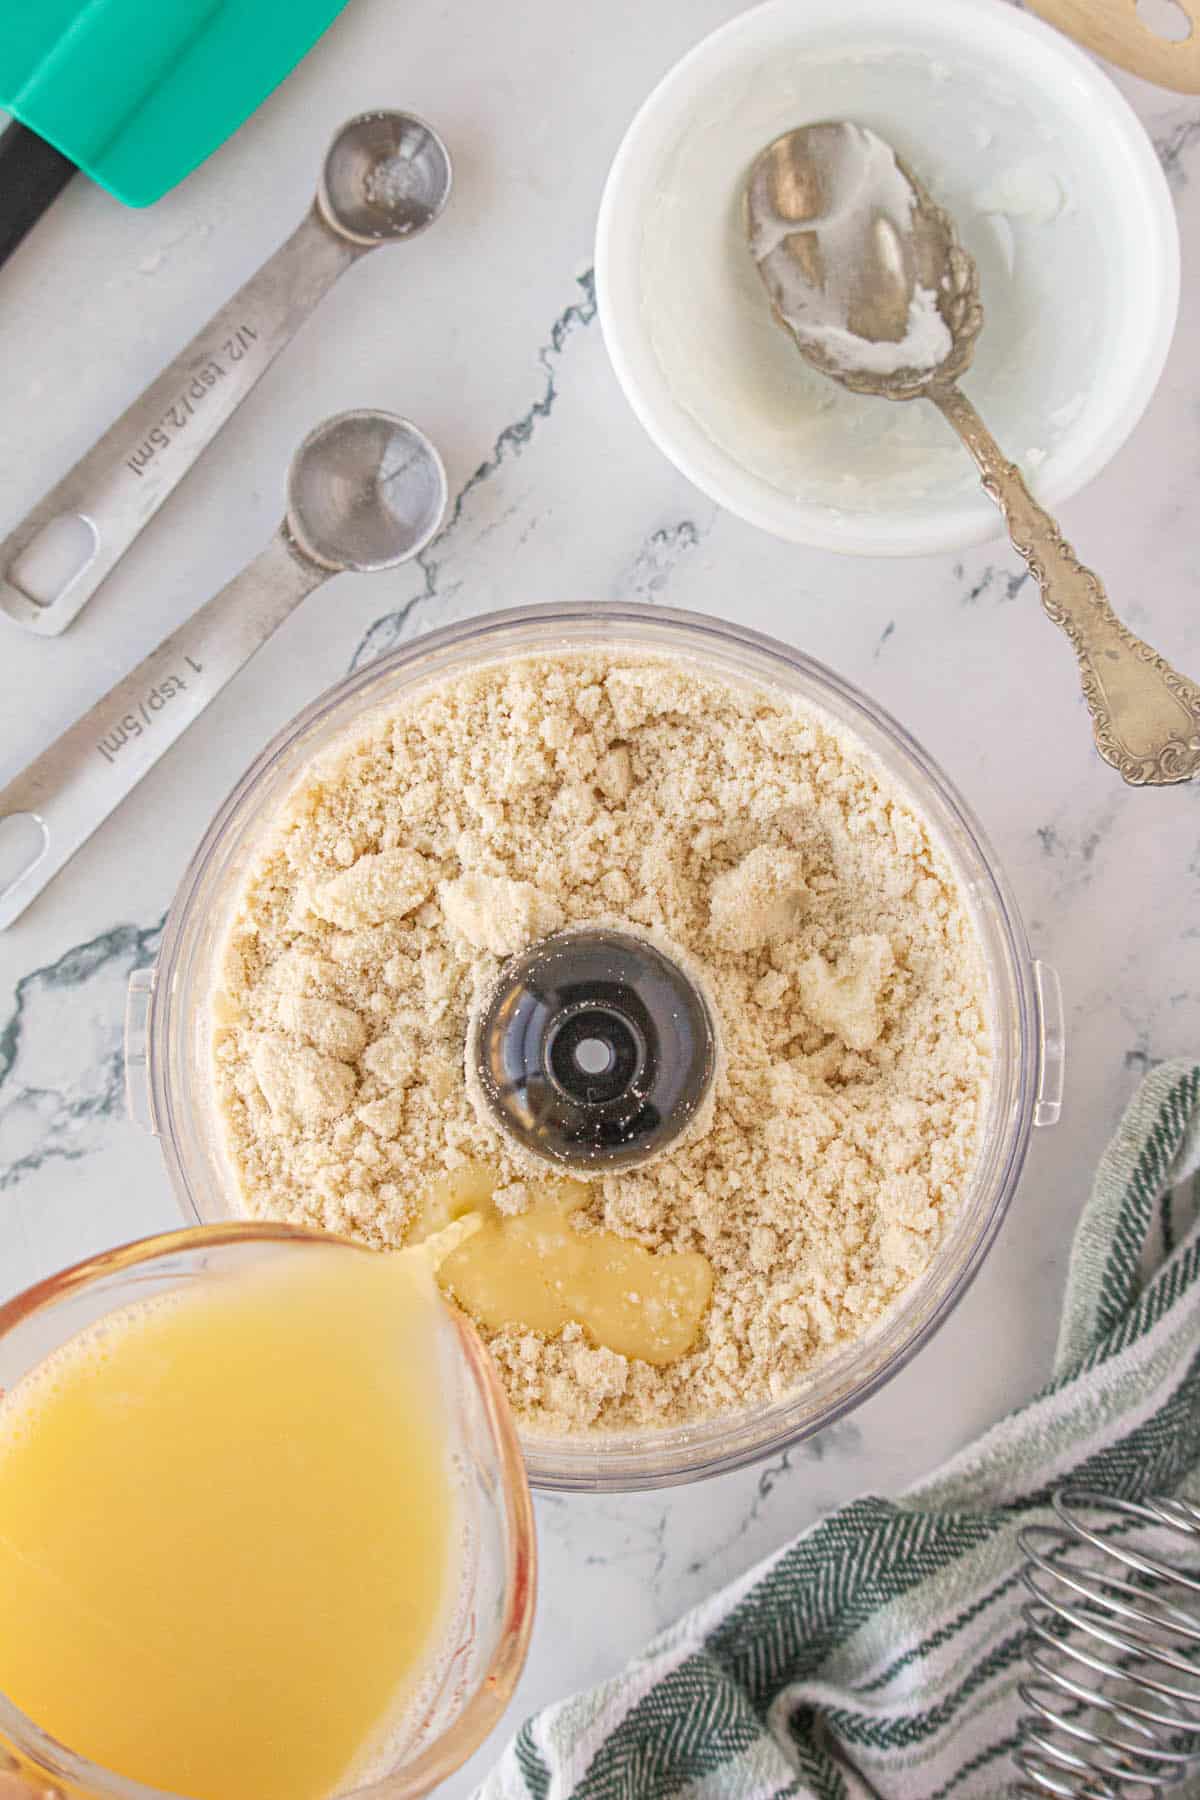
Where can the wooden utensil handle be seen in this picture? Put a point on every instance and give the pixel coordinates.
(1114, 30)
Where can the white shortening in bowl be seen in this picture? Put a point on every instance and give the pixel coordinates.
(1056, 190)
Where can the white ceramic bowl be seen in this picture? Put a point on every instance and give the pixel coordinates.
(1058, 194)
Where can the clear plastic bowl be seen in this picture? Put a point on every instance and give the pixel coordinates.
(170, 1088)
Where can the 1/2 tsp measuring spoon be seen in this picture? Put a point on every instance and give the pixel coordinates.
(386, 177)
(366, 491)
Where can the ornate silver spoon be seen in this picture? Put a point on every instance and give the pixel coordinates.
(869, 277)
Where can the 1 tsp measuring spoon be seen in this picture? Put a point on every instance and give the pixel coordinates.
(386, 177)
(366, 491)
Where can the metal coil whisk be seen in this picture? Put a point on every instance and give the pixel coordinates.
(1113, 1698)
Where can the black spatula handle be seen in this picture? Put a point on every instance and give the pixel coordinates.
(32, 175)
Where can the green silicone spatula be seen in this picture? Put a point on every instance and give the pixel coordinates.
(135, 93)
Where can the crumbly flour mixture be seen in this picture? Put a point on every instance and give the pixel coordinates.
(728, 821)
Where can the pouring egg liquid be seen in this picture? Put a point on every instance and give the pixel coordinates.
(234, 1546)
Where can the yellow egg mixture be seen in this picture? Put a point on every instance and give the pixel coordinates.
(230, 1535)
(533, 1272)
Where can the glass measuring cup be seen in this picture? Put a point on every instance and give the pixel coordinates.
(477, 1671)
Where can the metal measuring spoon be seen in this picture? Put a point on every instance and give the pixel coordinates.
(386, 177)
(365, 491)
(869, 277)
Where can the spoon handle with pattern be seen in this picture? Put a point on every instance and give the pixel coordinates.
(1146, 716)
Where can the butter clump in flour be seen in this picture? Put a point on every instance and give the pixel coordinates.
(493, 913)
(759, 900)
(845, 999)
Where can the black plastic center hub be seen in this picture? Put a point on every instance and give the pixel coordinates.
(595, 1049)
(596, 1054)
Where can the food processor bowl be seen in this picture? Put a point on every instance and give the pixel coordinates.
(169, 1075)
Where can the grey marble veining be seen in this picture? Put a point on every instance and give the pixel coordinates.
(392, 629)
(61, 1085)
(485, 333)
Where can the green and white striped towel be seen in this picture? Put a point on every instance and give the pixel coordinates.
(877, 1657)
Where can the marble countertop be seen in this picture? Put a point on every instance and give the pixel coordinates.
(484, 332)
